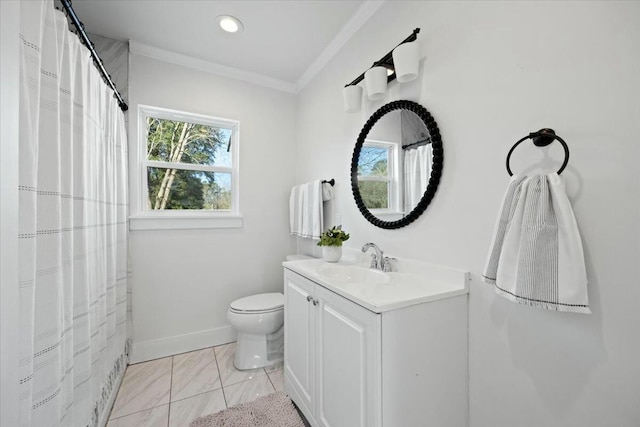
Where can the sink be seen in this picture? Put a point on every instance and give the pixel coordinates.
(353, 274)
(377, 291)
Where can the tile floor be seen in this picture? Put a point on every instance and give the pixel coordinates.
(176, 390)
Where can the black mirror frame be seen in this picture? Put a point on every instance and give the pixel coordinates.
(436, 167)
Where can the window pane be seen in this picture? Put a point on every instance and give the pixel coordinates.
(373, 161)
(375, 194)
(183, 142)
(186, 189)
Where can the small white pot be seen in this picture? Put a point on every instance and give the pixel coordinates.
(406, 61)
(352, 97)
(376, 81)
(332, 253)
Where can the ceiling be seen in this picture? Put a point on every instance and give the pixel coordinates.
(282, 40)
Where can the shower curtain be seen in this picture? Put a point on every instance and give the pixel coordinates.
(73, 231)
(417, 170)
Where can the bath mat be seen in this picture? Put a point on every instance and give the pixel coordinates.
(272, 410)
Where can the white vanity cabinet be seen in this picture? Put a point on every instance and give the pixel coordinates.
(332, 356)
(350, 366)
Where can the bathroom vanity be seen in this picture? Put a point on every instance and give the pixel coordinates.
(365, 348)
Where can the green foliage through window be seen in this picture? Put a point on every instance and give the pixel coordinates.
(373, 163)
(375, 194)
(191, 144)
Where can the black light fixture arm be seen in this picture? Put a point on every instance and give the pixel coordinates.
(96, 58)
(387, 60)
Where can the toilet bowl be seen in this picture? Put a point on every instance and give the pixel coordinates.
(259, 323)
(258, 320)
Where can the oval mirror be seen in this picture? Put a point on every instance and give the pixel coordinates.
(396, 164)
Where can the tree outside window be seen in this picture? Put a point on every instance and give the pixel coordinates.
(189, 164)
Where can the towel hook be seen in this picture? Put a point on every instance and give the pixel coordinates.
(542, 138)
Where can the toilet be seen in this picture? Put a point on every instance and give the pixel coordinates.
(259, 322)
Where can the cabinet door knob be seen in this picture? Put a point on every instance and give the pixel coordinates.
(309, 298)
(315, 302)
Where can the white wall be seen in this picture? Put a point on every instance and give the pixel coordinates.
(495, 71)
(184, 280)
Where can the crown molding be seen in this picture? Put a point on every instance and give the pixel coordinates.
(366, 10)
(138, 48)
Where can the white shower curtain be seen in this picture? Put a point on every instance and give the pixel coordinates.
(73, 231)
(417, 170)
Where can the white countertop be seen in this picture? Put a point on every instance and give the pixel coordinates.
(414, 283)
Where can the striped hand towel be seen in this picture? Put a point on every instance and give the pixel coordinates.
(536, 255)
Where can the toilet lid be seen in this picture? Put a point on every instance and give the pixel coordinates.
(260, 302)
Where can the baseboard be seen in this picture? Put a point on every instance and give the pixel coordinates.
(163, 347)
(104, 417)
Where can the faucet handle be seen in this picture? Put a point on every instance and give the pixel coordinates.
(386, 264)
(374, 261)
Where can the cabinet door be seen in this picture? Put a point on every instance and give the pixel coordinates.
(348, 392)
(298, 340)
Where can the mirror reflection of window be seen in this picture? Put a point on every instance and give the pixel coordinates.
(377, 175)
(403, 137)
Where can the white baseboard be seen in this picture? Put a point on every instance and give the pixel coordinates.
(163, 347)
(104, 417)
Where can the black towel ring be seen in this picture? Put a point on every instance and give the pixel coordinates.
(542, 138)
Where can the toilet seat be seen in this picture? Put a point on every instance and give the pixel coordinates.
(258, 304)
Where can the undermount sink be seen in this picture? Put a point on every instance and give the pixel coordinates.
(353, 274)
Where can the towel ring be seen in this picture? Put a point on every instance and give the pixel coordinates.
(542, 138)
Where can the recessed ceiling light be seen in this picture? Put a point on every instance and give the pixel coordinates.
(230, 24)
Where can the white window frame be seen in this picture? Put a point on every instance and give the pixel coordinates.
(393, 177)
(151, 219)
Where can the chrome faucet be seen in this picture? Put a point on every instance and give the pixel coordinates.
(378, 260)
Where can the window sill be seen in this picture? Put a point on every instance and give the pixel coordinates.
(148, 222)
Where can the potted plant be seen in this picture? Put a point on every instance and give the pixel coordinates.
(331, 242)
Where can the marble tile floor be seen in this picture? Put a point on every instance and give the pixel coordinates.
(173, 391)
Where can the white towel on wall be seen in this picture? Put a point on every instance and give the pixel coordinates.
(295, 210)
(536, 255)
(327, 191)
(305, 210)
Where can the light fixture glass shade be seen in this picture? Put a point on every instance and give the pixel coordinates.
(376, 81)
(352, 97)
(406, 61)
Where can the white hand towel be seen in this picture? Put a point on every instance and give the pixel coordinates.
(306, 210)
(295, 210)
(312, 224)
(536, 256)
(327, 191)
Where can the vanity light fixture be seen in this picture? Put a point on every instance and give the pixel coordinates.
(406, 59)
(402, 65)
(375, 79)
(230, 24)
(352, 97)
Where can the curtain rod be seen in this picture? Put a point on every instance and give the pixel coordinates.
(417, 144)
(96, 58)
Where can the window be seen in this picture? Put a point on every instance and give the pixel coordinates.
(378, 176)
(189, 167)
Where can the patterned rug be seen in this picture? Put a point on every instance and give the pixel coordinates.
(272, 410)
